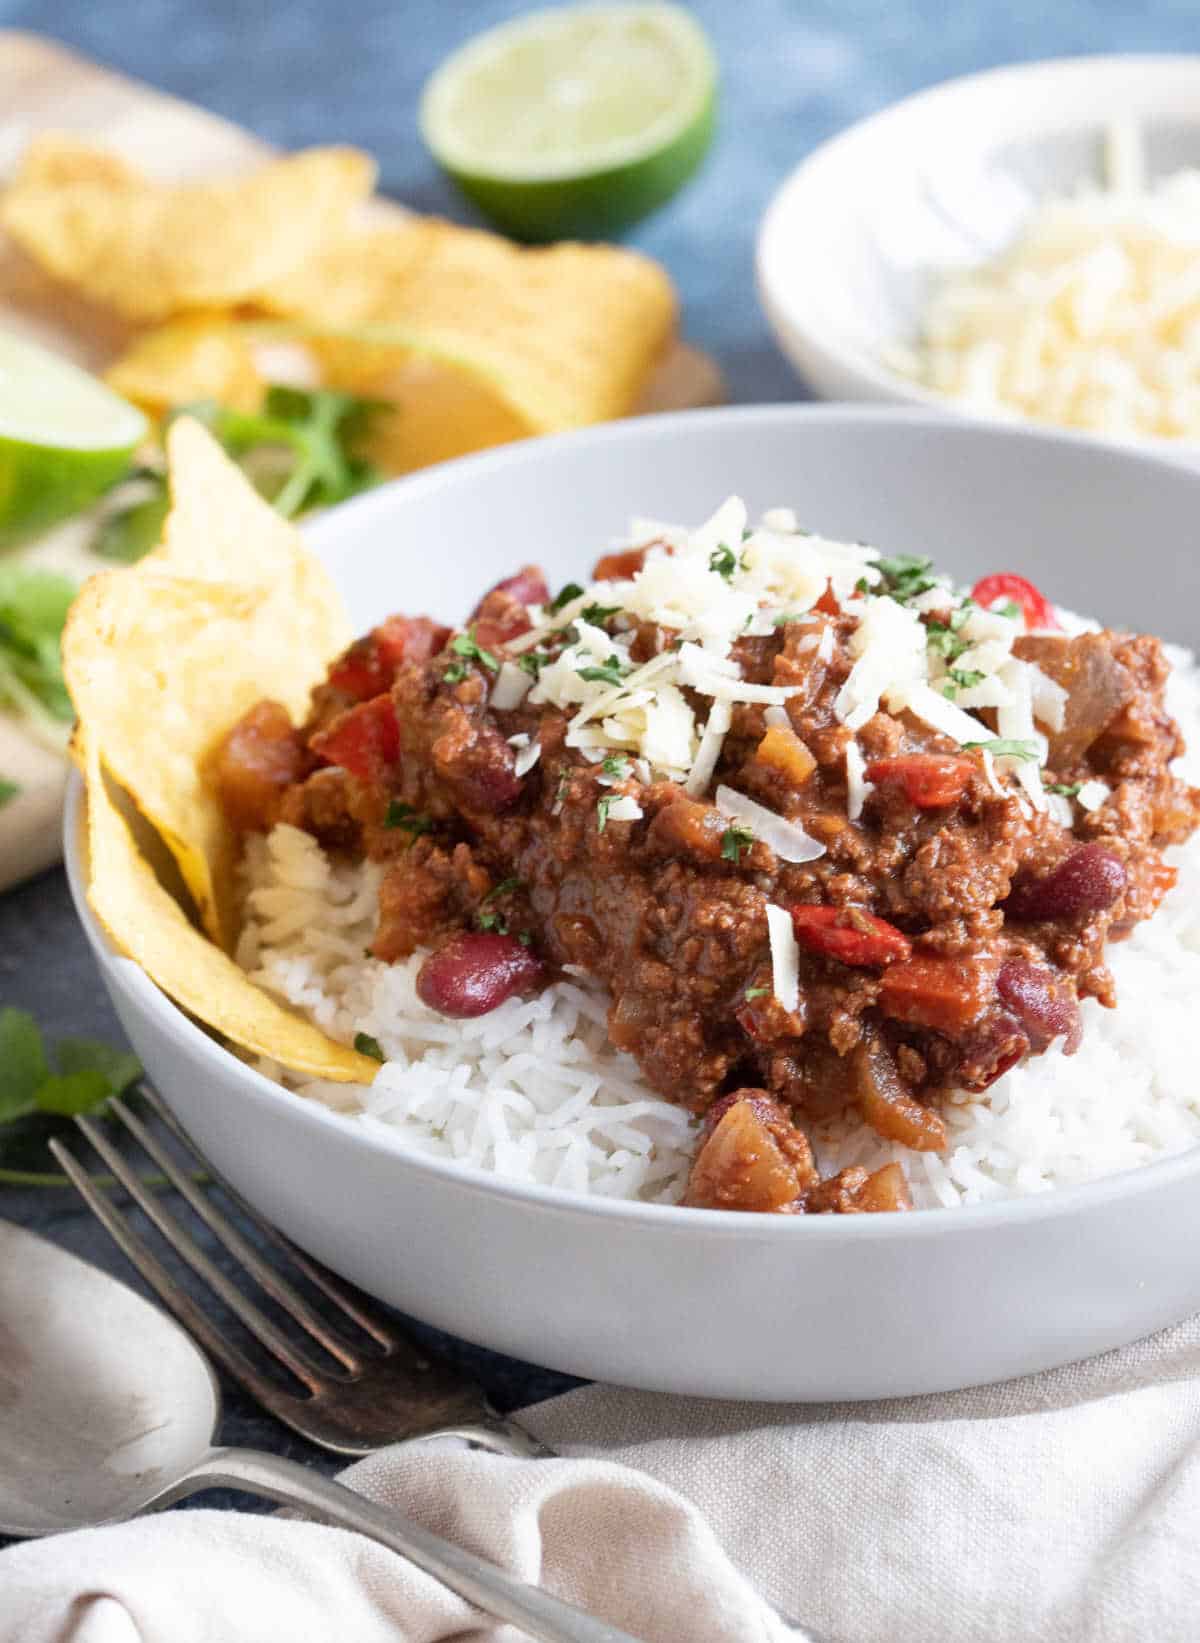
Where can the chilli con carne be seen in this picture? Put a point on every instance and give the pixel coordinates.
(944, 917)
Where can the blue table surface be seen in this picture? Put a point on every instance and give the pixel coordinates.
(313, 71)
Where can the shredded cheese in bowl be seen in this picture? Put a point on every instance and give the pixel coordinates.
(1090, 320)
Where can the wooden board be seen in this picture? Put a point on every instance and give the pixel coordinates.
(43, 86)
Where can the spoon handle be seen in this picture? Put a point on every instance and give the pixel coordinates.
(484, 1584)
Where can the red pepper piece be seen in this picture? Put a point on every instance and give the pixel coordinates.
(849, 935)
(827, 604)
(365, 740)
(369, 666)
(1035, 607)
(928, 779)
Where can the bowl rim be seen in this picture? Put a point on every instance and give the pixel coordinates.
(238, 1076)
(847, 358)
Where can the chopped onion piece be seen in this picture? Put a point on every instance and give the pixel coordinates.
(785, 957)
(787, 839)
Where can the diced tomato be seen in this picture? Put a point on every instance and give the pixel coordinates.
(1035, 607)
(849, 935)
(827, 604)
(928, 779)
(946, 994)
(369, 666)
(365, 740)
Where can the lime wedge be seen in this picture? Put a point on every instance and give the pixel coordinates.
(575, 121)
(64, 438)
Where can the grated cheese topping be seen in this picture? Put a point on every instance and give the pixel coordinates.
(785, 957)
(1090, 319)
(916, 645)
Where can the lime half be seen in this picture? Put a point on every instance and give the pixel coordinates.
(576, 121)
(64, 438)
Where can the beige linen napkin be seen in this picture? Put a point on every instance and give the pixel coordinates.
(1064, 1508)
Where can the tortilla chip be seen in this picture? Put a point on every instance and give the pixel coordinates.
(563, 335)
(152, 250)
(162, 658)
(56, 158)
(150, 927)
(204, 356)
(442, 412)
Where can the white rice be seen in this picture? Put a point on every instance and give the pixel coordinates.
(534, 1091)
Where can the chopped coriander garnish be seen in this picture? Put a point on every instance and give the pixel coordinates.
(941, 638)
(403, 815)
(791, 616)
(366, 1045)
(564, 597)
(949, 689)
(596, 615)
(862, 585)
(33, 608)
(756, 992)
(1009, 608)
(603, 805)
(723, 561)
(1005, 748)
(734, 841)
(966, 677)
(504, 888)
(615, 765)
(8, 791)
(525, 937)
(455, 673)
(610, 672)
(493, 921)
(1065, 790)
(906, 575)
(959, 616)
(465, 644)
(533, 661)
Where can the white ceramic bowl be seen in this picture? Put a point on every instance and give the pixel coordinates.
(687, 1300)
(850, 243)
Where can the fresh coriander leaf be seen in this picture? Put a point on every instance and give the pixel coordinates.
(966, 677)
(862, 585)
(403, 815)
(949, 689)
(615, 765)
(465, 644)
(1009, 608)
(23, 1066)
(734, 842)
(8, 791)
(603, 806)
(756, 992)
(366, 1045)
(610, 672)
(33, 608)
(1065, 790)
(598, 614)
(533, 661)
(906, 575)
(128, 534)
(1005, 748)
(525, 937)
(493, 921)
(959, 616)
(68, 1094)
(80, 1055)
(455, 673)
(564, 597)
(506, 887)
(723, 561)
(791, 616)
(943, 641)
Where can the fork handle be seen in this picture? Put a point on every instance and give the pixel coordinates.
(499, 1435)
(484, 1584)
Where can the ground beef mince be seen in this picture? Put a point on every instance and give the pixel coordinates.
(945, 927)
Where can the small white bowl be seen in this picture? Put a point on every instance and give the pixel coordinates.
(688, 1300)
(851, 242)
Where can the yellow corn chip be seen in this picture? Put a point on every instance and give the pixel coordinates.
(203, 356)
(441, 412)
(563, 335)
(55, 158)
(150, 927)
(162, 658)
(152, 250)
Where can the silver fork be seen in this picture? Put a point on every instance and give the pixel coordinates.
(371, 1396)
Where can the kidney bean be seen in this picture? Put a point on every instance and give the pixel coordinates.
(1087, 882)
(999, 1044)
(1043, 1004)
(476, 971)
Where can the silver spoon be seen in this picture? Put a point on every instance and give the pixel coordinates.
(108, 1409)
